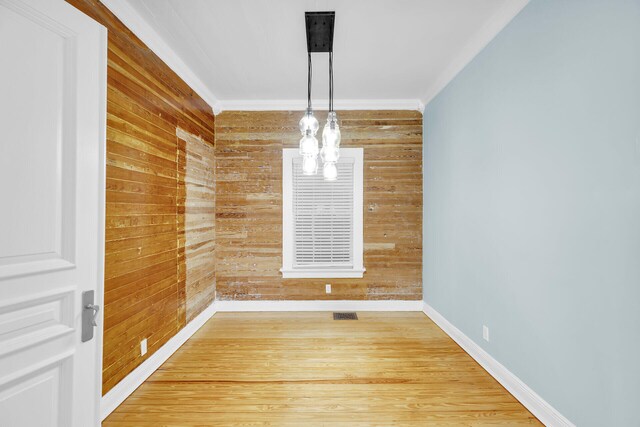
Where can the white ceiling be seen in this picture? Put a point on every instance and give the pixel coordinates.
(254, 51)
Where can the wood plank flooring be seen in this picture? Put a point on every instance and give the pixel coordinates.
(295, 369)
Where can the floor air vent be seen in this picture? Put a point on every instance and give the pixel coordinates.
(345, 316)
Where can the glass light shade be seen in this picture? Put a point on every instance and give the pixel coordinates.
(308, 123)
(330, 171)
(309, 165)
(331, 136)
(330, 153)
(308, 145)
(331, 132)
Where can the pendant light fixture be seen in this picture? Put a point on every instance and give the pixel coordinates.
(330, 135)
(309, 127)
(320, 39)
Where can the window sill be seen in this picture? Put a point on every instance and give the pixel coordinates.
(323, 274)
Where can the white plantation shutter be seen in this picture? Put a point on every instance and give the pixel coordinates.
(322, 220)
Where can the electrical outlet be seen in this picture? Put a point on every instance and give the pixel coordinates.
(327, 288)
(143, 347)
(485, 332)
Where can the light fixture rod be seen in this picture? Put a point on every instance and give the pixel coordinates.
(309, 79)
(330, 81)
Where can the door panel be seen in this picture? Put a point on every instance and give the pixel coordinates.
(38, 110)
(52, 123)
(49, 384)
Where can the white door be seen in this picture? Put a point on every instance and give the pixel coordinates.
(52, 132)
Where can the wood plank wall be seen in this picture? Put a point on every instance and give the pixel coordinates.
(145, 236)
(196, 200)
(249, 206)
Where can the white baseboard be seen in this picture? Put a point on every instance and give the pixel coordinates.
(131, 382)
(546, 413)
(321, 305)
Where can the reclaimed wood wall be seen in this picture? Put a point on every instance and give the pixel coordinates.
(148, 248)
(196, 201)
(249, 206)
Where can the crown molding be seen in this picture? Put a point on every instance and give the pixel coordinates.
(123, 10)
(143, 30)
(339, 104)
(477, 43)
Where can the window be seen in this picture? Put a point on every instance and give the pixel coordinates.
(322, 220)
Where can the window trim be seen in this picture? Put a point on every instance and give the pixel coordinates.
(357, 270)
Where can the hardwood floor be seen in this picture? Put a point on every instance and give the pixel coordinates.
(305, 369)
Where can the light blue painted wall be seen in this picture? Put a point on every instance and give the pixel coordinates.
(532, 204)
